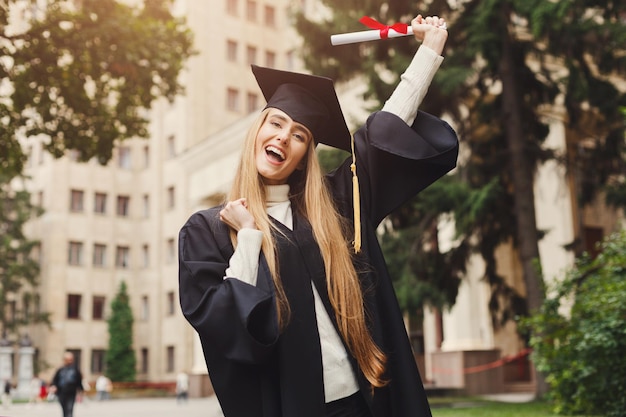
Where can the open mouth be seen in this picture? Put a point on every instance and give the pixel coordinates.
(275, 153)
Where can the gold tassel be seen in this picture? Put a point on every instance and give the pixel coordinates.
(356, 202)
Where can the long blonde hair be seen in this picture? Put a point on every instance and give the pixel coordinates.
(315, 203)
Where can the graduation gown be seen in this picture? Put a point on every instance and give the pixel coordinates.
(257, 370)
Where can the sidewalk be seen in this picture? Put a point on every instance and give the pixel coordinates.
(141, 407)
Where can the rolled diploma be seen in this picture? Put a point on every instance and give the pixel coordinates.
(365, 35)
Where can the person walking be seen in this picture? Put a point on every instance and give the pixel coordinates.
(67, 384)
(6, 394)
(285, 283)
(182, 387)
(103, 388)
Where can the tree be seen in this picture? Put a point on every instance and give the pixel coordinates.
(82, 76)
(583, 328)
(19, 270)
(120, 356)
(507, 61)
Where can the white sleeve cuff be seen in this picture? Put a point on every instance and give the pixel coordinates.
(414, 83)
(244, 264)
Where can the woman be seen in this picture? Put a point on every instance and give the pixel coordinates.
(292, 320)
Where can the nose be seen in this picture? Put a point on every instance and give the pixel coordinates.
(283, 137)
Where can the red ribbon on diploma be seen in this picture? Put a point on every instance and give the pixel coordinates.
(384, 29)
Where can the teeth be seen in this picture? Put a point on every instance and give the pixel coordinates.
(276, 151)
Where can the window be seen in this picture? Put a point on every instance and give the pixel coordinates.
(123, 203)
(123, 157)
(76, 200)
(27, 306)
(146, 206)
(145, 308)
(36, 253)
(171, 146)
(291, 60)
(232, 99)
(171, 251)
(270, 16)
(122, 257)
(97, 307)
(100, 203)
(143, 366)
(171, 303)
(41, 153)
(78, 356)
(73, 306)
(171, 366)
(270, 59)
(231, 7)
(75, 253)
(251, 10)
(12, 311)
(171, 197)
(99, 254)
(145, 256)
(251, 55)
(146, 156)
(97, 361)
(231, 51)
(253, 102)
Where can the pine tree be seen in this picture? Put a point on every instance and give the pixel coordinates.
(120, 356)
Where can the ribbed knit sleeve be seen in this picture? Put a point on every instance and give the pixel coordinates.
(413, 85)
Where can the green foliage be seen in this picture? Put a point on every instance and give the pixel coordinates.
(120, 357)
(535, 35)
(19, 270)
(84, 77)
(583, 334)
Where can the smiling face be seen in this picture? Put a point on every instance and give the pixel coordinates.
(280, 146)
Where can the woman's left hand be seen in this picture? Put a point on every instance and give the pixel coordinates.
(431, 31)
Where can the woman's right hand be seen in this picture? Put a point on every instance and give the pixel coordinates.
(236, 215)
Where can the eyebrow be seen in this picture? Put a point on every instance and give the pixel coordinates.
(299, 126)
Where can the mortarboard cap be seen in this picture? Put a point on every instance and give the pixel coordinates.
(307, 99)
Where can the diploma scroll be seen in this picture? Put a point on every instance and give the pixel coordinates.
(379, 31)
(365, 36)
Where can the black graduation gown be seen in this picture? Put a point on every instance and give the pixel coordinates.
(257, 370)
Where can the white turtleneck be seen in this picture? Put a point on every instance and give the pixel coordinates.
(339, 379)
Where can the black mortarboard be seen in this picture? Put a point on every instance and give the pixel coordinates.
(307, 99)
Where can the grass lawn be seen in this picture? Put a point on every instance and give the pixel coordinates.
(473, 407)
(480, 408)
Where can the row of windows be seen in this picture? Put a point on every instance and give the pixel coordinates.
(232, 55)
(124, 154)
(269, 12)
(122, 203)
(98, 359)
(98, 305)
(30, 305)
(76, 255)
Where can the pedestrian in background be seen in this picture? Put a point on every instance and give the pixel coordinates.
(6, 394)
(67, 384)
(182, 387)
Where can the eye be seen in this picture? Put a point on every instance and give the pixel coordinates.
(299, 137)
(275, 123)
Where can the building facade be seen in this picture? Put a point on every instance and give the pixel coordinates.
(107, 225)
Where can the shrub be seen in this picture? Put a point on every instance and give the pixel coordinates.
(580, 335)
